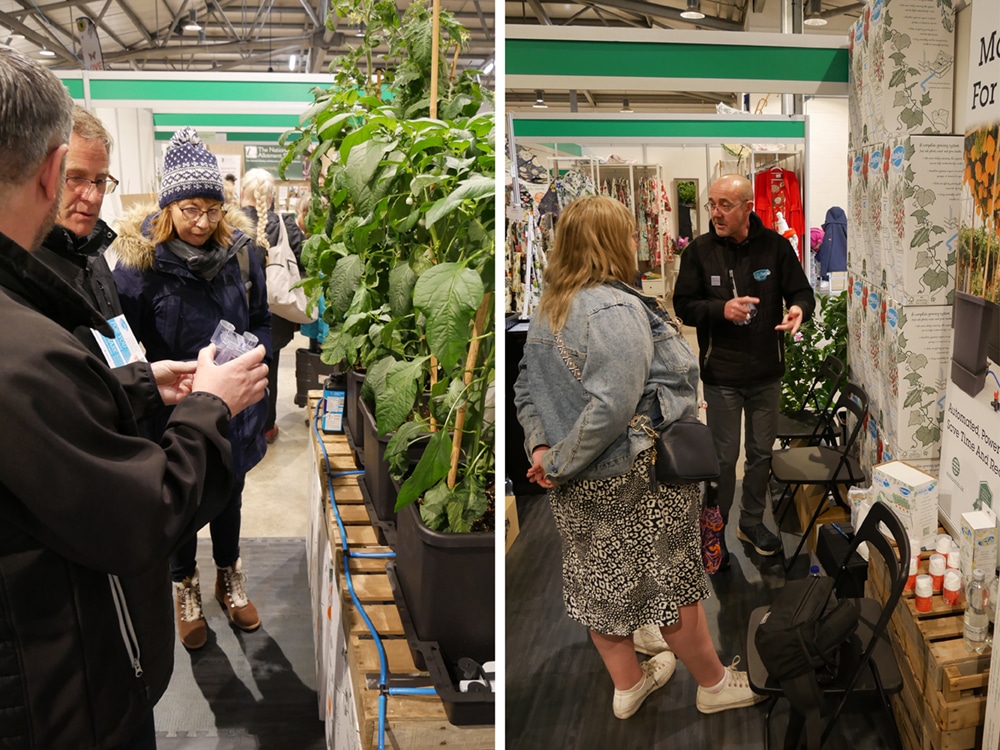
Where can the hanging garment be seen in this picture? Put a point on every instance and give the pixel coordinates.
(832, 254)
(775, 190)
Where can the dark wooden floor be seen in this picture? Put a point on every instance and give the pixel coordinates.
(558, 694)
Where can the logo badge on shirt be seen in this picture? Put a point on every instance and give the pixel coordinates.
(716, 281)
(762, 274)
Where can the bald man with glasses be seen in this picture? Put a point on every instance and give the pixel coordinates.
(742, 287)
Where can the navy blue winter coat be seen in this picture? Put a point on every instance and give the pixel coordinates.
(832, 253)
(174, 314)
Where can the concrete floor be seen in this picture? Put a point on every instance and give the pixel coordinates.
(275, 502)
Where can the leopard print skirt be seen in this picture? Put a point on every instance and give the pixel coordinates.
(631, 555)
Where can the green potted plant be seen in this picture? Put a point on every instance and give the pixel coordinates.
(824, 334)
(405, 263)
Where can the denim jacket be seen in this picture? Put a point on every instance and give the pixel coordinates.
(630, 360)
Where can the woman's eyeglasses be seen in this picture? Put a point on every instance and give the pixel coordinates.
(193, 214)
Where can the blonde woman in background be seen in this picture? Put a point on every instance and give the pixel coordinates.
(257, 203)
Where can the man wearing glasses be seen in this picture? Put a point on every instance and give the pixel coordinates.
(75, 247)
(742, 287)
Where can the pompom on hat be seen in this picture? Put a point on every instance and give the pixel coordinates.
(189, 170)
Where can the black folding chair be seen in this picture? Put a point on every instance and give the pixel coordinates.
(831, 466)
(867, 664)
(809, 422)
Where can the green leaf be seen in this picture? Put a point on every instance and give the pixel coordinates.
(395, 403)
(375, 378)
(362, 165)
(431, 469)
(401, 283)
(476, 187)
(343, 283)
(448, 295)
(396, 454)
(434, 509)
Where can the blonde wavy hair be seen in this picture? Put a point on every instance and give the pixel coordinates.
(593, 245)
(258, 191)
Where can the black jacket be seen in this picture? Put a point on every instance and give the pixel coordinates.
(82, 497)
(81, 264)
(764, 265)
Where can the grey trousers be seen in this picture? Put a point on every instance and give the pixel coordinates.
(759, 406)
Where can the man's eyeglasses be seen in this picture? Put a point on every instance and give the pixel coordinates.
(723, 207)
(193, 214)
(82, 186)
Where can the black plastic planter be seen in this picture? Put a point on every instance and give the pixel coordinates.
(447, 583)
(354, 428)
(973, 325)
(380, 488)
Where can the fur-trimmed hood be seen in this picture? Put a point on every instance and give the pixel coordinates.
(134, 247)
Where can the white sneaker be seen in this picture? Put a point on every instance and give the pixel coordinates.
(735, 694)
(649, 640)
(655, 673)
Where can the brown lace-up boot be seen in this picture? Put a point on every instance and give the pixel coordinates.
(230, 591)
(191, 626)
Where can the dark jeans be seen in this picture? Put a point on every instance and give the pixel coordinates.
(759, 406)
(225, 529)
(144, 737)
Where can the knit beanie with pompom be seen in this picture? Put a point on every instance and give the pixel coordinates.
(189, 170)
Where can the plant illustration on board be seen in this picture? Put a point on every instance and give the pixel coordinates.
(403, 256)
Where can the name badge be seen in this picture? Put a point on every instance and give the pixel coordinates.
(762, 274)
(716, 281)
(122, 348)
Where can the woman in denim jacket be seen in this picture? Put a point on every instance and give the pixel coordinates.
(597, 354)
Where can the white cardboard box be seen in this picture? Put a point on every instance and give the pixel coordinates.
(914, 375)
(979, 542)
(922, 203)
(911, 54)
(912, 494)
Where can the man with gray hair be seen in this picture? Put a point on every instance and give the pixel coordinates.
(89, 510)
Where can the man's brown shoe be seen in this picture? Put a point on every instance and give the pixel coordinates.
(230, 591)
(191, 626)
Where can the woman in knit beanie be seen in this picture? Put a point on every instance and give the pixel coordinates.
(184, 267)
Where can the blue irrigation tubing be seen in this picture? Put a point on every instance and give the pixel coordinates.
(990, 371)
(384, 690)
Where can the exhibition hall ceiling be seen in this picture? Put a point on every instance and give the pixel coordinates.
(234, 35)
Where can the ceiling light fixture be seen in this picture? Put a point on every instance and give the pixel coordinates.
(361, 29)
(488, 67)
(626, 107)
(814, 14)
(46, 52)
(539, 100)
(693, 12)
(192, 22)
(292, 59)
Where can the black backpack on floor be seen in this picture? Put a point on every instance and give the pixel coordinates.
(799, 641)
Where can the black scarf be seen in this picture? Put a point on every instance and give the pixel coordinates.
(205, 261)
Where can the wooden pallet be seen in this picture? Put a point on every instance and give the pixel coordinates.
(943, 702)
(415, 722)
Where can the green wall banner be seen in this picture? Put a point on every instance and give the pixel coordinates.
(269, 157)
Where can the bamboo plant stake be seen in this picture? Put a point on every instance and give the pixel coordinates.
(470, 363)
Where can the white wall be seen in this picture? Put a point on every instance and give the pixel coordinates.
(826, 158)
(133, 158)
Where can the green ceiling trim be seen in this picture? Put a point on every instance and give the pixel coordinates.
(221, 121)
(578, 58)
(74, 86)
(231, 137)
(725, 130)
(144, 90)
